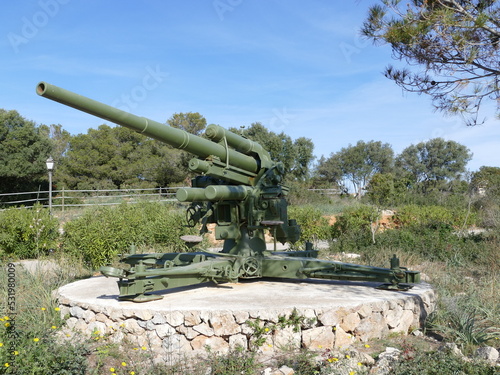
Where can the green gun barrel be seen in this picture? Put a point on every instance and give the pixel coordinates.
(175, 137)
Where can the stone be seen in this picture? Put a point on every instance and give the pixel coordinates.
(100, 317)
(164, 330)
(238, 341)
(342, 338)
(76, 311)
(285, 370)
(393, 317)
(176, 344)
(204, 329)
(451, 347)
(97, 328)
(175, 318)
(191, 318)
(331, 317)
(310, 318)
(405, 322)
(216, 344)
(143, 314)
(223, 324)
(71, 322)
(371, 327)
(241, 316)
(318, 338)
(158, 319)
(131, 326)
(487, 353)
(350, 322)
(287, 338)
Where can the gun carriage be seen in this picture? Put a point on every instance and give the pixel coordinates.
(240, 190)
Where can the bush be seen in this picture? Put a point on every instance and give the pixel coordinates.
(27, 233)
(353, 229)
(433, 216)
(102, 233)
(440, 363)
(312, 224)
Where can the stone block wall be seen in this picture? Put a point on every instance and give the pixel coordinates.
(190, 332)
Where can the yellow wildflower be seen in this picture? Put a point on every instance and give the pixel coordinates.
(43, 309)
(266, 329)
(112, 369)
(6, 364)
(367, 346)
(132, 372)
(53, 327)
(57, 309)
(144, 348)
(348, 356)
(15, 352)
(7, 324)
(36, 339)
(1, 344)
(124, 364)
(6, 317)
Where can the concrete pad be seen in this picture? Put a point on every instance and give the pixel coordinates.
(247, 295)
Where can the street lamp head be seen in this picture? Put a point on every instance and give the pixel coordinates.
(50, 164)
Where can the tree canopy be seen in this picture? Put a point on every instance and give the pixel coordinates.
(23, 152)
(433, 161)
(296, 156)
(358, 163)
(452, 44)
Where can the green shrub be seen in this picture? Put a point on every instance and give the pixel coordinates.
(312, 224)
(102, 233)
(433, 216)
(440, 363)
(27, 233)
(353, 229)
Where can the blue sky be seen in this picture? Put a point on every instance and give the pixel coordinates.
(295, 66)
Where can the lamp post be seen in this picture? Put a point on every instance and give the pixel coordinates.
(50, 168)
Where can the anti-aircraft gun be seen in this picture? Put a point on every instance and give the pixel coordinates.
(239, 189)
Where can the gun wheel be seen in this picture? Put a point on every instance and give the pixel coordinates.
(250, 268)
(191, 217)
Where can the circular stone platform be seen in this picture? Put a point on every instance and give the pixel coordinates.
(263, 314)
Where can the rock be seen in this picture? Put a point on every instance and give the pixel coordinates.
(216, 344)
(371, 327)
(175, 318)
(342, 338)
(164, 330)
(76, 311)
(350, 322)
(452, 348)
(285, 370)
(487, 353)
(223, 324)
(191, 318)
(318, 338)
(158, 319)
(204, 329)
(238, 341)
(286, 338)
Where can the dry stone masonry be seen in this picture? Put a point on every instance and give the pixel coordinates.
(221, 323)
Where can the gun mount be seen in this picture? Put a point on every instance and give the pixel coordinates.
(240, 190)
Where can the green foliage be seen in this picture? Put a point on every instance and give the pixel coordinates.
(440, 363)
(110, 158)
(359, 163)
(453, 45)
(29, 338)
(312, 224)
(102, 233)
(432, 217)
(353, 229)
(27, 233)
(23, 152)
(433, 161)
(296, 156)
(237, 361)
